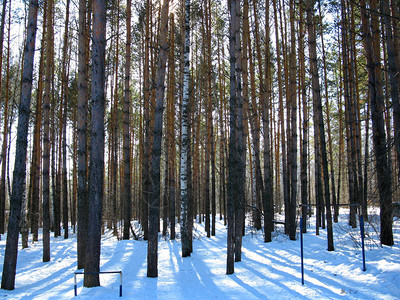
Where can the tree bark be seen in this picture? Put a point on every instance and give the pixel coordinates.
(146, 116)
(126, 143)
(372, 47)
(96, 167)
(82, 136)
(3, 154)
(318, 117)
(292, 146)
(185, 142)
(233, 155)
(18, 185)
(2, 24)
(154, 202)
(393, 72)
(64, 84)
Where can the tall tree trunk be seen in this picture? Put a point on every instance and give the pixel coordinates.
(146, 116)
(318, 117)
(241, 143)
(355, 116)
(233, 155)
(222, 147)
(349, 120)
(18, 186)
(64, 94)
(185, 142)
(341, 141)
(292, 146)
(96, 168)
(126, 142)
(282, 124)
(328, 117)
(170, 170)
(253, 112)
(154, 202)
(268, 190)
(2, 24)
(304, 124)
(372, 47)
(394, 68)
(263, 188)
(33, 194)
(82, 135)
(210, 112)
(3, 154)
(236, 181)
(46, 132)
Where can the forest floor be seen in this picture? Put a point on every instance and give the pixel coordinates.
(267, 270)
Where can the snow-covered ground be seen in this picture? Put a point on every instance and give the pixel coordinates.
(267, 271)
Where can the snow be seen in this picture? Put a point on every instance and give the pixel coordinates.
(267, 270)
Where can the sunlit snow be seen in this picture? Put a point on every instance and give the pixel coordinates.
(267, 270)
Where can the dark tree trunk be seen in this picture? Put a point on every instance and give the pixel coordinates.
(146, 116)
(3, 154)
(169, 137)
(318, 117)
(292, 146)
(241, 143)
(268, 192)
(126, 142)
(82, 136)
(2, 24)
(46, 134)
(233, 155)
(393, 71)
(378, 130)
(65, 116)
(18, 185)
(285, 178)
(96, 167)
(236, 161)
(34, 189)
(305, 125)
(154, 202)
(349, 120)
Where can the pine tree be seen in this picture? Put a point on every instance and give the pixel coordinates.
(19, 176)
(154, 202)
(126, 143)
(82, 135)
(96, 165)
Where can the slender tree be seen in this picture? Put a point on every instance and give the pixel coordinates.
(126, 143)
(46, 133)
(96, 167)
(154, 203)
(236, 161)
(292, 145)
(304, 125)
(3, 153)
(185, 142)
(268, 193)
(379, 138)
(393, 59)
(146, 120)
(232, 160)
(19, 176)
(64, 95)
(82, 140)
(318, 118)
(2, 25)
